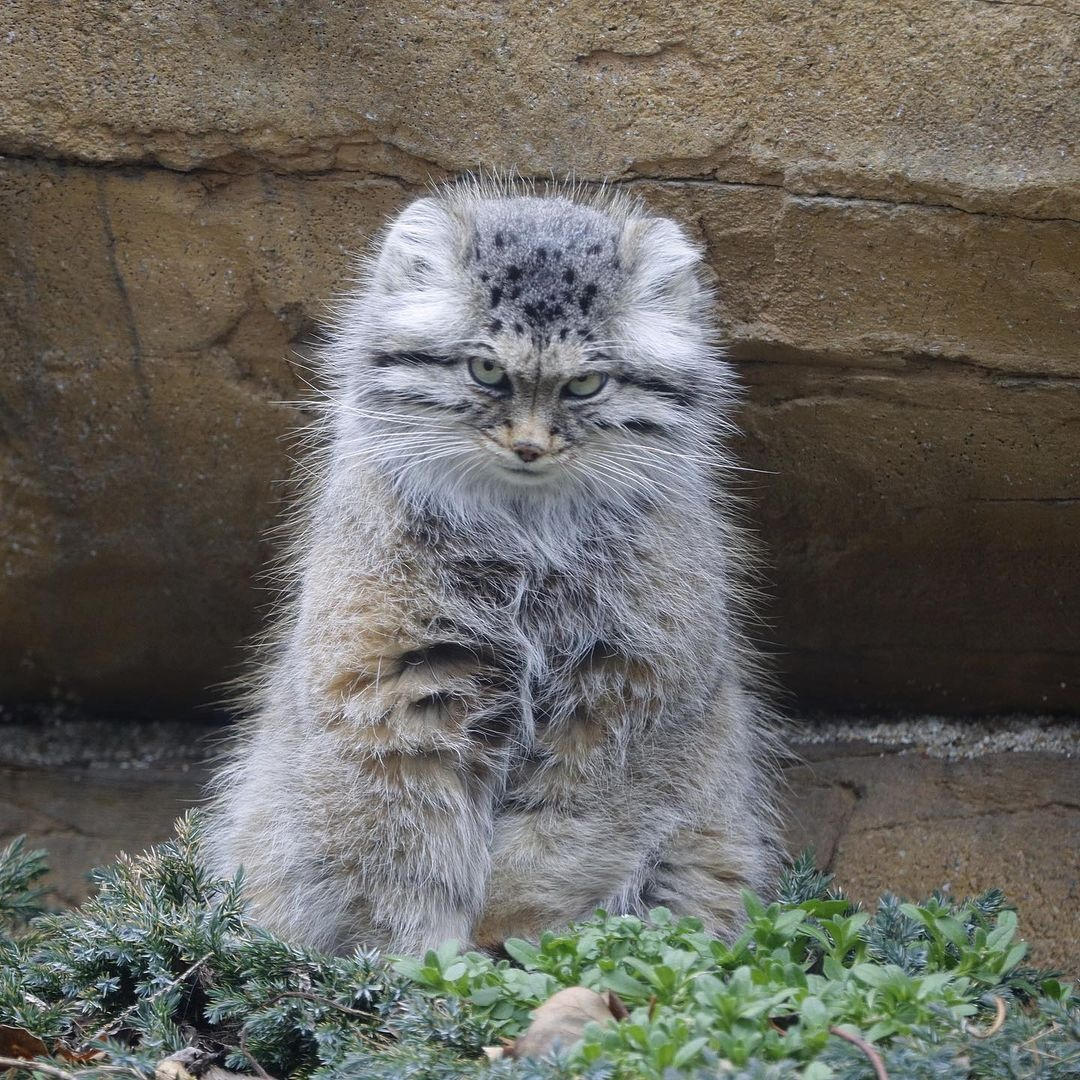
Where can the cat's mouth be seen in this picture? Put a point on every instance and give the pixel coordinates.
(528, 471)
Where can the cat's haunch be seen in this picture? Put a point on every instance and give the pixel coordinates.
(507, 685)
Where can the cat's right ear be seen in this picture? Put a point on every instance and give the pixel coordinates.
(413, 253)
(664, 268)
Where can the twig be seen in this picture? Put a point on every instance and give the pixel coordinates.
(872, 1055)
(995, 1027)
(112, 1025)
(306, 996)
(35, 1065)
(381, 1035)
(1032, 1044)
(31, 1065)
(251, 1060)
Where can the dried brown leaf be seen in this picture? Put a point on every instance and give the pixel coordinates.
(192, 1063)
(17, 1042)
(171, 1069)
(216, 1072)
(561, 1020)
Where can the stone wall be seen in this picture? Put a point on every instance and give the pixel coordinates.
(890, 200)
(906, 806)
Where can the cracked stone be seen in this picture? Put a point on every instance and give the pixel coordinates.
(974, 106)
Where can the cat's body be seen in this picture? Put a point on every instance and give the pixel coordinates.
(507, 689)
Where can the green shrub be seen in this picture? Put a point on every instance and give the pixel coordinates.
(164, 957)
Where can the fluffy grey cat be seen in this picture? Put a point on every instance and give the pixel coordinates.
(507, 688)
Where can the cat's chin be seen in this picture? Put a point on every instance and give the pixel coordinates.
(525, 476)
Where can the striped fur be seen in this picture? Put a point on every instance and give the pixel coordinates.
(508, 685)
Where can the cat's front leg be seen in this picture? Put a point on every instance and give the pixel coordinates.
(425, 739)
(582, 811)
(361, 808)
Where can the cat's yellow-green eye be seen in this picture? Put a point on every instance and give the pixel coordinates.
(586, 386)
(488, 372)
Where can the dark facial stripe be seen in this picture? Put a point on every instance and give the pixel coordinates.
(410, 359)
(636, 425)
(385, 395)
(650, 383)
(644, 427)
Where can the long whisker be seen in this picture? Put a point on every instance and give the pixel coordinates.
(633, 481)
(714, 461)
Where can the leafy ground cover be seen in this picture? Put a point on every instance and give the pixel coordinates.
(164, 958)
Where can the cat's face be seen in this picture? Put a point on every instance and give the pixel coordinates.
(513, 410)
(536, 407)
(531, 345)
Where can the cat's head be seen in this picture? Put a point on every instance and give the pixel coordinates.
(521, 348)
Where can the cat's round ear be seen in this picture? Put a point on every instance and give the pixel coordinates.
(415, 247)
(663, 264)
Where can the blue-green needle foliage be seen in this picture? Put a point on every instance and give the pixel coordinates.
(20, 891)
(164, 957)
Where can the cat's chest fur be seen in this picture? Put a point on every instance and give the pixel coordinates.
(556, 636)
(539, 620)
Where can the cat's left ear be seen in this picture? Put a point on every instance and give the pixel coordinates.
(664, 267)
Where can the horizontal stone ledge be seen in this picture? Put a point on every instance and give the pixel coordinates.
(970, 103)
(990, 803)
(1059, 202)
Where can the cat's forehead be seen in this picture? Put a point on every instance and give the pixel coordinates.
(544, 268)
(542, 361)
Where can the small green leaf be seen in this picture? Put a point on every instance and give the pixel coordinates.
(1016, 954)
(934, 983)
(1003, 933)
(871, 974)
(953, 930)
(524, 952)
(447, 952)
(689, 1051)
(754, 907)
(787, 921)
(834, 969)
(813, 1013)
(881, 1029)
(625, 985)
(408, 968)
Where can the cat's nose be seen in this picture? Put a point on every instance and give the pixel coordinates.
(527, 451)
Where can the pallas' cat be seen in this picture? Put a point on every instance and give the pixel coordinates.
(507, 686)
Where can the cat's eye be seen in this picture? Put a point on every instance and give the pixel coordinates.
(489, 372)
(586, 386)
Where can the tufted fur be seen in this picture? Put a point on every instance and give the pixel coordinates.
(505, 691)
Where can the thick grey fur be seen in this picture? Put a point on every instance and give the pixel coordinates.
(504, 689)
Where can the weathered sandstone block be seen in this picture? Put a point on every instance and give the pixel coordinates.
(889, 203)
(971, 104)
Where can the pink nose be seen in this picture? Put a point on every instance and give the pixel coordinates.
(527, 451)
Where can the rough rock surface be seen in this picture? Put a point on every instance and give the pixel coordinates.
(911, 823)
(890, 200)
(907, 807)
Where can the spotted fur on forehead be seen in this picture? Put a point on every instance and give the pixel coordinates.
(547, 267)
